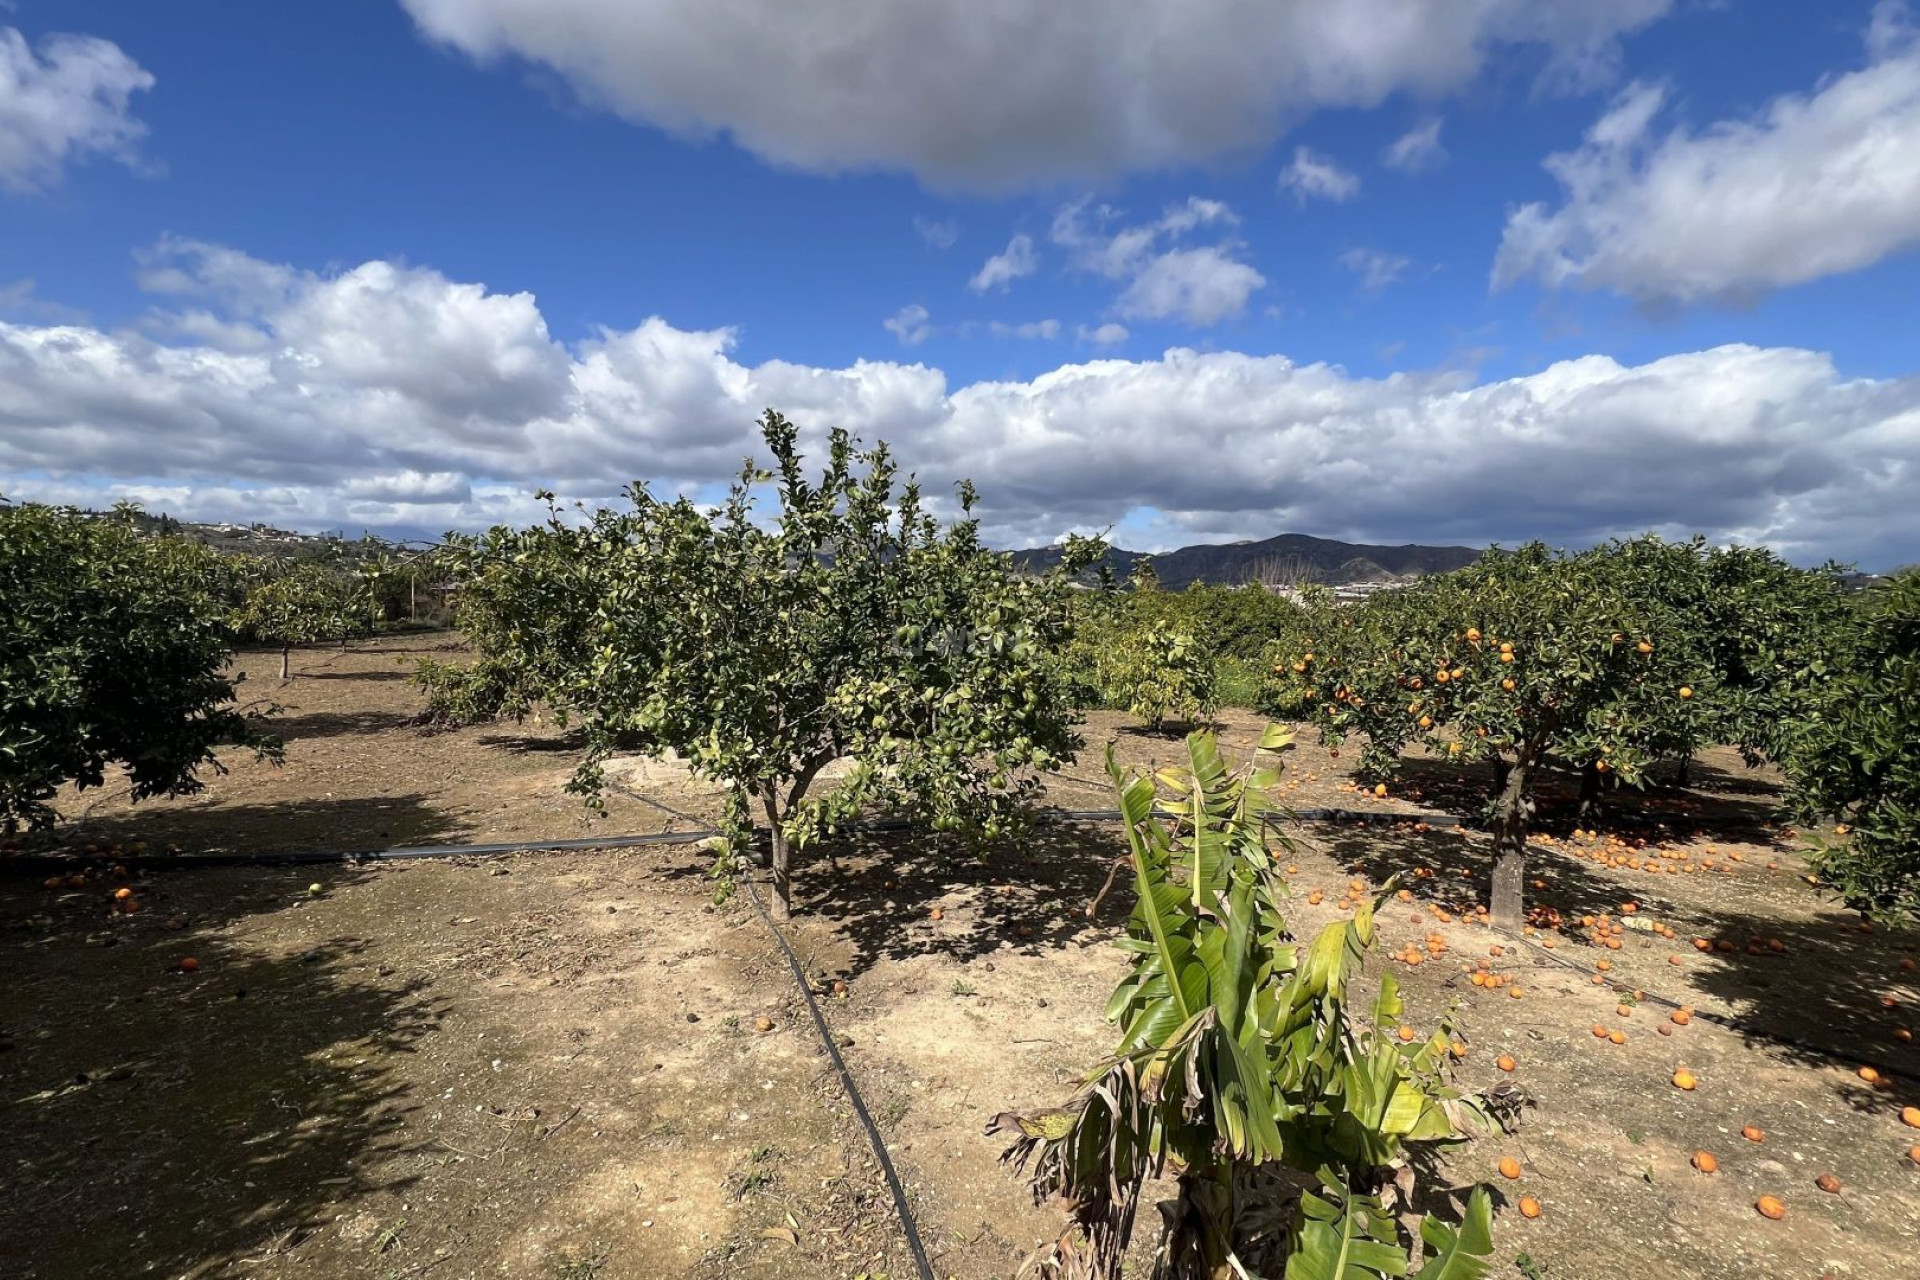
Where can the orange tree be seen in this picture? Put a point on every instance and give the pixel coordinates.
(848, 624)
(115, 652)
(1854, 756)
(1522, 655)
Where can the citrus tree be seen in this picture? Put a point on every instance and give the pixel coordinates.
(296, 603)
(1158, 672)
(1853, 757)
(1241, 1068)
(1524, 654)
(115, 651)
(525, 600)
(847, 625)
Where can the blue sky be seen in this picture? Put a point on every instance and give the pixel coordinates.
(396, 262)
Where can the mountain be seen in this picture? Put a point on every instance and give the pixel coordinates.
(1287, 558)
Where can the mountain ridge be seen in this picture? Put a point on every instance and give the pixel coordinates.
(1285, 559)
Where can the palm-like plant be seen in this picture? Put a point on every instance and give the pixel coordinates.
(1238, 1066)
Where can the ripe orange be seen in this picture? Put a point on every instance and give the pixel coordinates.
(1380, 789)
(1680, 1017)
(1753, 1133)
(1529, 1207)
(1771, 1207)
(1618, 1037)
(1509, 1168)
(1686, 691)
(1506, 655)
(1473, 635)
(936, 914)
(1910, 1117)
(122, 894)
(1406, 1035)
(1645, 646)
(1684, 1079)
(1599, 1032)
(1705, 1163)
(1505, 1062)
(1828, 1183)
(189, 965)
(1869, 1075)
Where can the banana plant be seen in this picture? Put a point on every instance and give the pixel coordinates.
(1239, 1068)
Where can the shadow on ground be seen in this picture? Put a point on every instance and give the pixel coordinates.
(200, 1122)
(350, 825)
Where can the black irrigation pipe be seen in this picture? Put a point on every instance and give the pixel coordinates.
(879, 1145)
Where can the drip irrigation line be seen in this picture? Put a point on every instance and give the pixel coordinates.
(907, 1225)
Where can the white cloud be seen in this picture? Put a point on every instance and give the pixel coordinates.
(1376, 268)
(1043, 329)
(1313, 176)
(1201, 286)
(909, 324)
(1018, 259)
(1106, 335)
(1812, 185)
(313, 426)
(1416, 150)
(940, 233)
(1013, 94)
(68, 100)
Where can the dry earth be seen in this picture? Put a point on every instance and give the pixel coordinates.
(550, 1065)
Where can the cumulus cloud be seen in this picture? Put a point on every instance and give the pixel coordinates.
(1006, 95)
(1811, 185)
(1416, 150)
(1376, 268)
(1199, 285)
(1313, 176)
(68, 100)
(909, 324)
(314, 427)
(1105, 335)
(1018, 259)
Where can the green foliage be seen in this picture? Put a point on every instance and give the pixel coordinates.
(289, 603)
(114, 651)
(1238, 1058)
(1854, 755)
(526, 602)
(1159, 673)
(848, 625)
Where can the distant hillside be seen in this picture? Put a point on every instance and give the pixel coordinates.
(1286, 559)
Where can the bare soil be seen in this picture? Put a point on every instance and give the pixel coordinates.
(550, 1065)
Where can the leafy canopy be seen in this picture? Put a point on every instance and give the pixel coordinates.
(1856, 755)
(114, 652)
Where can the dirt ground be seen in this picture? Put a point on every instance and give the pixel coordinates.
(552, 1065)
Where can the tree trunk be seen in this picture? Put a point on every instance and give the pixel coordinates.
(782, 868)
(413, 598)
(1589, 791)
(1510, 823)
(1686, 771)
(285, 672)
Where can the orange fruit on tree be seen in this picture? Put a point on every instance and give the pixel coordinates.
(1771, 1207)
(1473, 635)
(1509, 1168)
(1506, 655)
(1529, 1207)
(1686, 691)
(1645, 646)
(1704, 1162)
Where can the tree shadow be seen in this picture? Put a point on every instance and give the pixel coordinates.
(1818, 999)
(299, 675)
(1462, 868)
(220, 1115)
(329, 724)
(341, 825)
(877, 890)
(558, 742)
(1656, 811)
